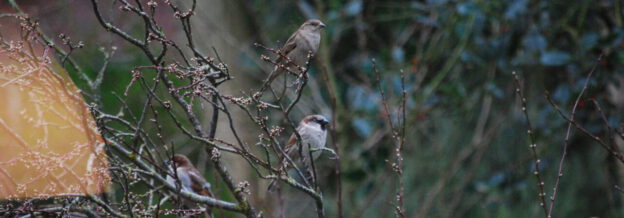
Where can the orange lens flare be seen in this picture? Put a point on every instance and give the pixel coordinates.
(49, 144)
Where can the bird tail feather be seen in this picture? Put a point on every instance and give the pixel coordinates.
(273, 186)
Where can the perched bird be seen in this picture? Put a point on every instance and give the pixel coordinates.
(188, 178)
(304, 41)
(313, 132)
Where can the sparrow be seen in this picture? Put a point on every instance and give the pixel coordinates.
(304, 41)
(188, 178)
(313, 132)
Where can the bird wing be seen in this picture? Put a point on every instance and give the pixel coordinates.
(289, 149)
(292, 148)
(288, 46)
(199, 184)
(291, 144)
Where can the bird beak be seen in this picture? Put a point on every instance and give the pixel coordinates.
(324, 122)
(322, 25)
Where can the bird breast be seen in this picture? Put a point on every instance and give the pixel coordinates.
(312, 41)
(185, 180)
(314, 137)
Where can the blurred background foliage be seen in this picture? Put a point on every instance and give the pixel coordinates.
(467, 152)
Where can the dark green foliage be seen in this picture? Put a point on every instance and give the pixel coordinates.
(458, 56)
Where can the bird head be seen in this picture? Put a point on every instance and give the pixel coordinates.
(313, 25)
(316, 119)
(180, 160)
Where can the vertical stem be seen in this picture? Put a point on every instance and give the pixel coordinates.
(331, 87)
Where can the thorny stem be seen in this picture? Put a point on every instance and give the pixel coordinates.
(609, 149)
(567, 138)
(398, 134)
(532, 146)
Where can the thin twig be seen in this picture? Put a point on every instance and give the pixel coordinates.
(532, 145)
(567, 138)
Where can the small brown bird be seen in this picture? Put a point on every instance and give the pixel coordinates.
(304, 41)
(188, 178)
(313, 132)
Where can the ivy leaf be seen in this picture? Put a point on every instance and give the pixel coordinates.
(555, 58)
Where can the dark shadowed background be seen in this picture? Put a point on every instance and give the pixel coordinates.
(467, 152)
